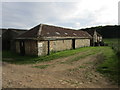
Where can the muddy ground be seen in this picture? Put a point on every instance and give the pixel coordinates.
(58, 74)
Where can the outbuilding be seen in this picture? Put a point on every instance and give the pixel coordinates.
(43, 39)
(96, 39)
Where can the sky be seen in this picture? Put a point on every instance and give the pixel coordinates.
(75, 15)
(119, 13)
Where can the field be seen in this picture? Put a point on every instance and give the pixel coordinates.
(114, 43)
(87, 67)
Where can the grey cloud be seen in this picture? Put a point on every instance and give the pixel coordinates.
(119, 13)
(29, 14)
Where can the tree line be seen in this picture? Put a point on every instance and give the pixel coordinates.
(109, 31)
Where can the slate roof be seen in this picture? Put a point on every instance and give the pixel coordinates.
(43, 30)
(91, 32)
(2, 30)
(11, 33)
(18, 31)
(32, 33)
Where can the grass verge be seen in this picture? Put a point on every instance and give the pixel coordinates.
(17, 59)
(91, 51)
(109, 66)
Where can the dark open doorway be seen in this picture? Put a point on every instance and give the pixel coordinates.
(22, 48)
(48, 48)
(73, 43)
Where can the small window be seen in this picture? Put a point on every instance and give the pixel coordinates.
(74, 34)
(57, 33)
(66, 33)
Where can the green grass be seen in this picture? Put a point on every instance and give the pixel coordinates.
(17, 59)
(82, 66)
(91, 51)
(41, 66)
(114, 43)
(111, 40)
(109, 66)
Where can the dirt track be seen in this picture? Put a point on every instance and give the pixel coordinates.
(59, 74)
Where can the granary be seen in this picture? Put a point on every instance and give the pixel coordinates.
(8, 37)
(43, 39)
(96, 39)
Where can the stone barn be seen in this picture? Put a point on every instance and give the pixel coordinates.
(96, 39)
(43, 39)
(8, 37)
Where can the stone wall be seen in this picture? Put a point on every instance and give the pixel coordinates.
(95, 37)
(99, 39)
(42, 48)
(60, 45)
(17, 47)
(82, 43)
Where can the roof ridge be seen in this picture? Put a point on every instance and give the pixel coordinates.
(59, 27)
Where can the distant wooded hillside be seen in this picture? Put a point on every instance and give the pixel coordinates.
(107, 31)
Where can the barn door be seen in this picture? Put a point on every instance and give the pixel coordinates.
(22, 48)
(73, 43)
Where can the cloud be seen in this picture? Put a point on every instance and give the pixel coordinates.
(119, 13)
(84, 13)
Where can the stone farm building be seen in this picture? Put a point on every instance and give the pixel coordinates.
(96, 38)
(43, 39)
(8, 38)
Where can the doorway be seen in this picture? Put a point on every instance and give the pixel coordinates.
(22, 48)
(73, 43)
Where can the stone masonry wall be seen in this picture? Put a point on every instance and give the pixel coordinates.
(60, 45)
(82, 43)
(42, 48)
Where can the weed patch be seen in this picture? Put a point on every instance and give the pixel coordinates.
(82, 67)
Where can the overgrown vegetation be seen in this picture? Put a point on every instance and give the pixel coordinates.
(114, 43)
(110, 66)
